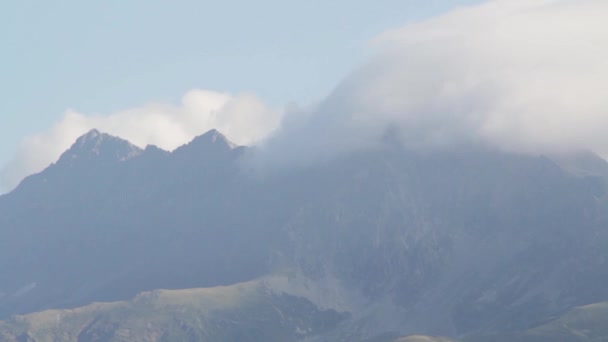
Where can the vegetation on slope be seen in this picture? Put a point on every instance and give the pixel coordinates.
(242, 312)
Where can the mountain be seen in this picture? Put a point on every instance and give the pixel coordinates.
(94, 222)
(455, 243)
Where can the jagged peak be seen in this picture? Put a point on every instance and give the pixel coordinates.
(97, 145)
(93, 137)
(210, 140)
(91, 134)
(213, 136)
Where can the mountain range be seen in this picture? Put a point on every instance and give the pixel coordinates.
(118, 243)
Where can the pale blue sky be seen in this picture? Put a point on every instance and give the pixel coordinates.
(101, 56)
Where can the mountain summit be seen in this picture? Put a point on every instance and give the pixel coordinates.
(213, 136)
(103, 147)
(211, 142)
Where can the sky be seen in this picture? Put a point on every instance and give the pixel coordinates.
(303, 80)
(100, 57)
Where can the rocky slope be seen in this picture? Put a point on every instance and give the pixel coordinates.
(449, 243)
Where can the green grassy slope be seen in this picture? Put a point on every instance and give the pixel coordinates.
(243, 312)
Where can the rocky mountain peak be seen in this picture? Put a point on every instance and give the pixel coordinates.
(212, 141)
(96, 145)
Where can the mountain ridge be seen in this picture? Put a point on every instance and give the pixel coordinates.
(443, 244)
(96, 145)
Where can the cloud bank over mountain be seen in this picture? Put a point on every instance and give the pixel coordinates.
(244, 118)
(519, 75)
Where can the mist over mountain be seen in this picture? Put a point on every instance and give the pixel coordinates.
(387, 240)
(522, 76)
(452, 188)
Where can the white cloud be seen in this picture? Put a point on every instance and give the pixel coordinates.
(521, 75)
(244, 119)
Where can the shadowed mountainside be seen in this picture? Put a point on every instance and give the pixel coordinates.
(447, 243)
